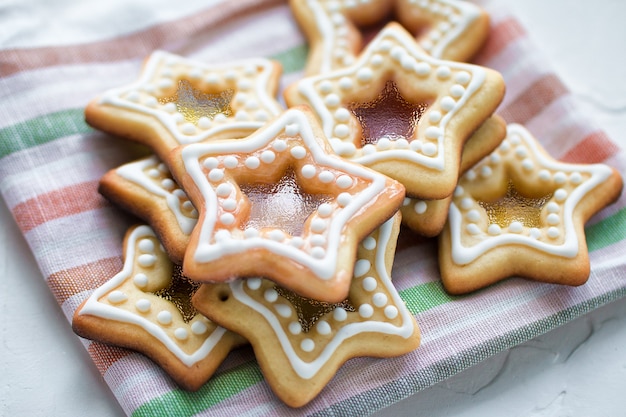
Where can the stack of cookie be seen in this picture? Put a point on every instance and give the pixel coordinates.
(278, 226)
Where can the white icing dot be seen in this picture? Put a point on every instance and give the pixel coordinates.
(364, 74)
(368, 149)
(252, 162)
(521, 151)
(283, 310)
(297, 242)
(342, 115)
(552, 207)
(433, 132)
(344, 199)
(486, 172)
(198, 327)
(560, 178)
(443, 72)
(332, 100)
(516, 227)
(223, 190)
(298, 152)
(318, 225)
(164, 317)
(250, 233)
(276, 235)
(472, 229)
(342, 130)
(216, 174)
(383, 144)
(268, 156)
(473, 216)
(391, 312)
(326, 177)
(528, 164)
(146, 245)
(422, 69)
(379, 299)
(211, 162)
(181, 334)
(308, 171)
(325, 87)
(560, 194)
(117, 297)
(369, 283)
(270, 295)
(140, 280)
(254, 283)
(457, 90)
(222, 236)
(494, 230)
(188, 129)
(459, 191)
(377, 60)
(429, 149)
(535, 233)
(401, 143)
(346, 83)
(420, 207)
(361, 267)
(146, 260)
(230, 162)
(544, 175)
(553, 219)
(467, 203)
(143, 305)
(434, 116)
(227, 219)
(230, 204)
(462, 77)
(318, 240)
(448, 103)
(553, 232)
(279, 145)
(204, 123)
(576, 178)
(340, 314)
(295, 328)
(168, 184)
(325, 210)
(366, 310)
(307, 345)
(369, 243)
(323, 327)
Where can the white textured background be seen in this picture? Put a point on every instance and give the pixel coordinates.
(578, 370)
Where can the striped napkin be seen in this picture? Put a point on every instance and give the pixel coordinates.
(50, 163)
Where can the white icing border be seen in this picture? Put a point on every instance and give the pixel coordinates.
(569, 248)
(93, 307)
(152, 70)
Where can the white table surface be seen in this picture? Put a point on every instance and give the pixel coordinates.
(577, 370)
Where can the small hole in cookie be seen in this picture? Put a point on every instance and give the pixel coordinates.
(223, 296)
(388, 116)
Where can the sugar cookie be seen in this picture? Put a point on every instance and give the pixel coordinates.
(520, 212)
(401, 112)
(301, 343)
(147, 307)
(281, 200)
(179, 101)
(446, 29)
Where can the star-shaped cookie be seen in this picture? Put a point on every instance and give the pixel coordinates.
(337, 30)
(147, 189)
(440, 104)
(300, 352)
(179, 101)
(281, 205)
(147, 307)
(519, 212)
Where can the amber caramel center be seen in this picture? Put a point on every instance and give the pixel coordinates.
(514, 206)
(179, 292)
(389, 116)
(310, 311)
(194, 104)
(282, 205)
